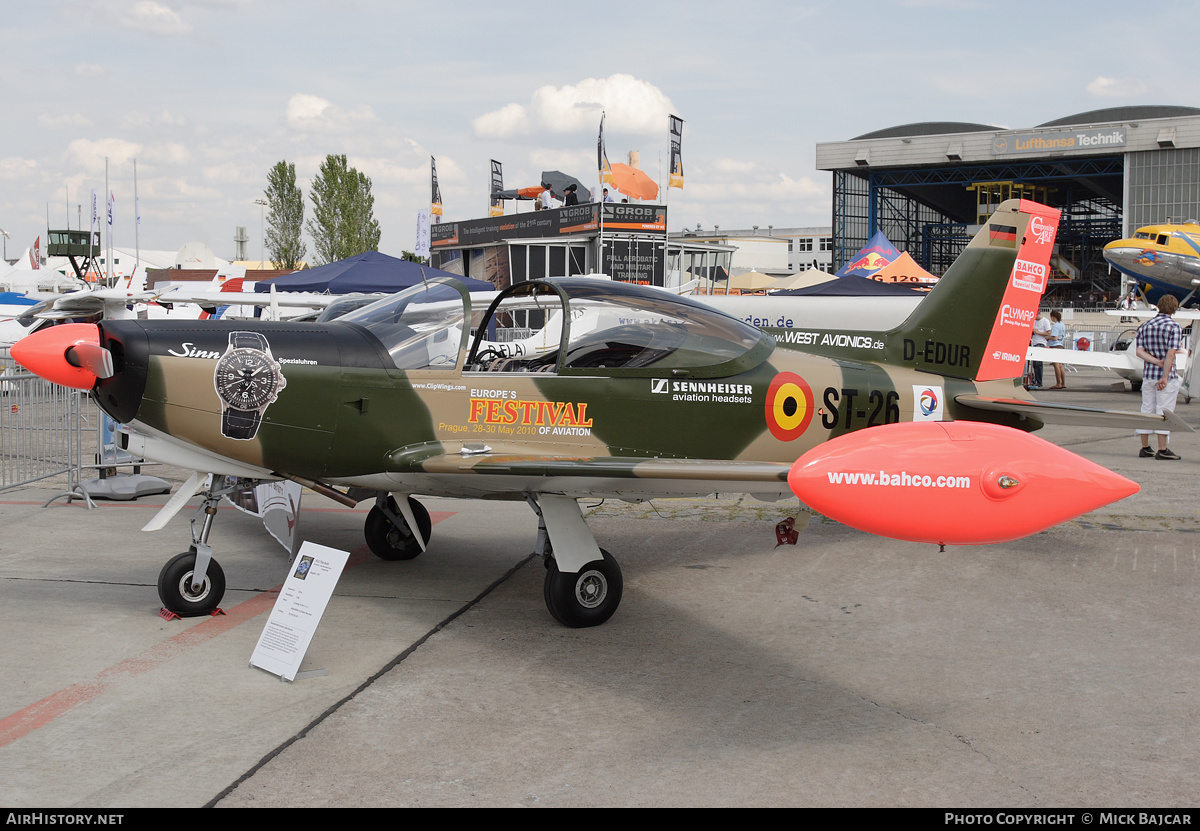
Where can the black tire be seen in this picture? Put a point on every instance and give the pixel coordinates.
(587, 598)
(391, 542)
(175, 586)
(1135, 386)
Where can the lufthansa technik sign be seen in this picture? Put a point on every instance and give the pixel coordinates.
(1058, 141)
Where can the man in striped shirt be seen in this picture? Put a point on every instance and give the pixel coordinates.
(1159, 340)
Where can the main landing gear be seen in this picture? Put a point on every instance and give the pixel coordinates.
(583, 582)
(582, 587)
(388, 529)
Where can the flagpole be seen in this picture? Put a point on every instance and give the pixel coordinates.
(137, 227)
(108, 199)
(601, 157)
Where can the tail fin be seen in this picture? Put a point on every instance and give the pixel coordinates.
(977, 320)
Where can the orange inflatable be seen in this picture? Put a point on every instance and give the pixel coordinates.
(961, 482)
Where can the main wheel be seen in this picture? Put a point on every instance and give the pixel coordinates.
(175, 586)
(392, 542)
(587, 598)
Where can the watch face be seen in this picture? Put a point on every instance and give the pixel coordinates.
(246, 379)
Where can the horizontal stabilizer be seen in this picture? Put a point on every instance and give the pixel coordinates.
(1075, 357)
(1083, 416)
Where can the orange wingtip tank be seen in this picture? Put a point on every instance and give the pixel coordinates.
(45, 353)
(957, 482)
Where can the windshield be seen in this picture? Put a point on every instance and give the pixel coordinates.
(610, 326)
(421, 327)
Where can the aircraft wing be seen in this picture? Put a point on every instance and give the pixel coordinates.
(1182, 314)
(619, 476)
(630, 467)
(1075, 357)
(1049, 413)
(290, 299)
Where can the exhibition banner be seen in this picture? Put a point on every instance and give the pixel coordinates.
(436, 197)
(496, 205)
(675, 127)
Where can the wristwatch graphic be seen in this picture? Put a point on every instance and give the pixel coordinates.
(248, 378)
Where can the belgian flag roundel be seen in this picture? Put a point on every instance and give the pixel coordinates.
(789, 406)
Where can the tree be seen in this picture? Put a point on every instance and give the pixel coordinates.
(343, 222)
(286, 217)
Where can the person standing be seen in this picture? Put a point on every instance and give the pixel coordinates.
(1159, 340)
(1055, 340)
(1041, 328)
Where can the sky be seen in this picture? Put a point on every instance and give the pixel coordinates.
(207, 95)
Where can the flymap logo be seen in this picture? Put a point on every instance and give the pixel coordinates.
(1014, 316)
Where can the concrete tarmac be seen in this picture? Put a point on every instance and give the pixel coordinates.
(1056, 671)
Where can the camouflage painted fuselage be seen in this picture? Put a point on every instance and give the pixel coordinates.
(347, 415)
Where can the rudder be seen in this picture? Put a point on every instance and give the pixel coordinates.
(977, 320)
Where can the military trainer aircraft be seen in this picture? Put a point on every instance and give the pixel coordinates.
(579, 387)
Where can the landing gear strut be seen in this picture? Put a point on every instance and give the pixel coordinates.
(389, 534)
(583, 583)
(193, 583)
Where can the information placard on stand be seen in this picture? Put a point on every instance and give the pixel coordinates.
(298, 610)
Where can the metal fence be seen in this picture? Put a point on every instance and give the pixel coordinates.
(42, 428)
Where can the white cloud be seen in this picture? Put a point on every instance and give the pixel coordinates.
(1116, 88)
(509, 120)
(733, 166)
(15, 167)
(311, 112)
(568, 161)
(778, 188)
(629, 105)
(54, 122)
(303, 110)
(89, 70)
(148, 16)
(168, 153)
(90, 155)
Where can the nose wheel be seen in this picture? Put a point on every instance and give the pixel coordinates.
(193, 583)
(181, 595)
(587, 598)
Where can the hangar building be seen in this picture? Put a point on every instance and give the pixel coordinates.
(929, 186)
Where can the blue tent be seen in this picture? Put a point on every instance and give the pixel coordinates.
(876, 254)
(369, 272)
